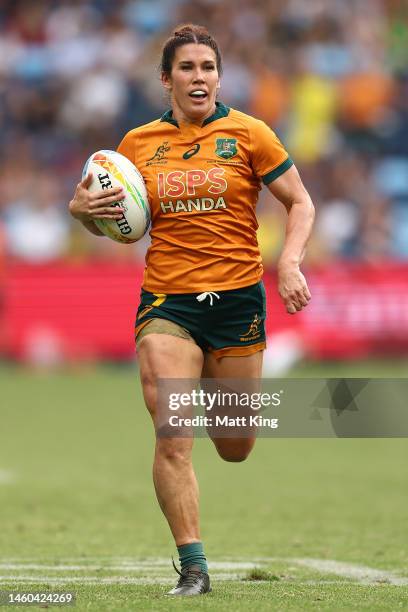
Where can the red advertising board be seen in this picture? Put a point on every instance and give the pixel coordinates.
(87, 310)
(356, 310)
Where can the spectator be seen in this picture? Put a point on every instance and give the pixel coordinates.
(37, 227)
(330, 77)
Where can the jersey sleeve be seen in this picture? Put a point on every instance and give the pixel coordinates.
(127, 147)
(269, 157)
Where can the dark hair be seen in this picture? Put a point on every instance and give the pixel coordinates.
(185, 35)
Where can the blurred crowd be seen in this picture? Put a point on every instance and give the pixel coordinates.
(329, 76)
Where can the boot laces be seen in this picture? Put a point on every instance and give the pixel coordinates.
(188, 577)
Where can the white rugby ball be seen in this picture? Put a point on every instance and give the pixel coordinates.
(111, 169)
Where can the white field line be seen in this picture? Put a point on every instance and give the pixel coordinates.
(219, 570)
(125, 562)
(135, 567)
(360, 573)
(105, 579)
(95, 580)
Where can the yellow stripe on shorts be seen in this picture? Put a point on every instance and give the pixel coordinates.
(160, 299)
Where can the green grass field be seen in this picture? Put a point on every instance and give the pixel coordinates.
(303, 524)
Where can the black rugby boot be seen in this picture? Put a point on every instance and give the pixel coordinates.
(192, 581)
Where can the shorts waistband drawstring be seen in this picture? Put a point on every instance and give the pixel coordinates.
(206, 294)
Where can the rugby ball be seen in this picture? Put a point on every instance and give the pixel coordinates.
(111, 169)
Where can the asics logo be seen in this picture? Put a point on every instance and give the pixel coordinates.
(194, 149)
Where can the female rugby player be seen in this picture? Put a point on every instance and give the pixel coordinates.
(202, 307)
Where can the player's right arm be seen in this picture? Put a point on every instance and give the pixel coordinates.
(86, 206)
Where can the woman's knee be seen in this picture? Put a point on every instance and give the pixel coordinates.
(174, 450)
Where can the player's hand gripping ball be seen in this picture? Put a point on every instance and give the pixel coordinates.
(111, 169)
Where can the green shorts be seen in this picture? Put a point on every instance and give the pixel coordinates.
(226, 323)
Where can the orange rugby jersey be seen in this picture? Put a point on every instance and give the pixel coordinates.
(203, 184)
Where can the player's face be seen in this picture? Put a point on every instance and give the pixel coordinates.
(193, 82)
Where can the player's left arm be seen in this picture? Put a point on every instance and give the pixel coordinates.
(289, 189)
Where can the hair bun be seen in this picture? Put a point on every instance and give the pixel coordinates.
(188, 29)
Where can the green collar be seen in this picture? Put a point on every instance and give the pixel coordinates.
(220, 111)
